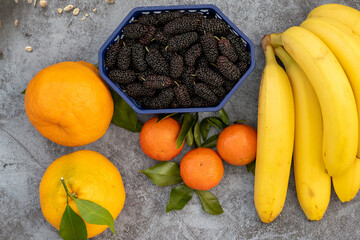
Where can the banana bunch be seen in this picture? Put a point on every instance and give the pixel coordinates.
(321, 58)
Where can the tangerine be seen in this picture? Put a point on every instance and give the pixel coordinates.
(88, 174)
(201, 169)
(237, 144)
(158, 139)
(69, 103)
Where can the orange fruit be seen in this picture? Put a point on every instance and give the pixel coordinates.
(237, 144)
(69, 103)
(158, 139)
(201, 169)
(88, 174)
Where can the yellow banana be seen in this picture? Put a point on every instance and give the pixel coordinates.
(274, 140)
(337, 102)
(346, 15)
(313, 184)
(345, 46)
(348, 184)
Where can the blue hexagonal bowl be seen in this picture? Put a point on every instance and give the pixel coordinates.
(134, 14)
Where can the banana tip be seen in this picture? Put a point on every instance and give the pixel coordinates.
(265, 41)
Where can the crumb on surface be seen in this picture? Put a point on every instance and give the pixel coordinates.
(76, 11)
(28, 48)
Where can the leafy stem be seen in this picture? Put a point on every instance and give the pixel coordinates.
(73, 195)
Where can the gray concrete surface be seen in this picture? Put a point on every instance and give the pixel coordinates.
(25, 154)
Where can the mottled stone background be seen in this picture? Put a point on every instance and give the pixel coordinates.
(25, 154)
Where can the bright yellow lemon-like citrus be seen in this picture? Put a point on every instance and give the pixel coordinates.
(88, 174)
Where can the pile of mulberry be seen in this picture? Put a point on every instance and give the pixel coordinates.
(177, 59)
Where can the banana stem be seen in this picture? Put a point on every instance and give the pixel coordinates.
(275, 39)
(285, 58)
(269, 54)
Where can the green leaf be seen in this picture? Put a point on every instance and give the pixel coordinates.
(251, 167)
(95, 214)
(216, 122)
(190, 138)
(164, 116)
(224, 117)
(124, 116)
(24, 91)
(96, 65)
(72, 226)
(240, 121)
(185, 128)
(209, 202)
(204, 128)
(179, 197)
(211, 141)
(164, 174)
(197, 134)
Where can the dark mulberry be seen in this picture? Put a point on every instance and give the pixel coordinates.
(199, 102)
(243, 66)
(239, 46)
(142, 76)
(157, 61)
(166, 17)
(209, 46)
(158, 82)
(122, 77)
(175, 104)
(138, 57)
(220, 92)
(227, 49)
(154, 45)
(148, 36)
(189, 80)
(166, 54)
(202, 62)
(129, 41)
(203, 91)
(228, 85)
(228, 69)
(213, 25)
(163, 100)
(195, 15)
(209, 76)
(181, 25)
(192, 54)
(111, 55)
(182, 96)
(124, 57)
(134, 30)
(148, 19)
(161, 37)
(182, 41)
(136, 90)
(176, 66)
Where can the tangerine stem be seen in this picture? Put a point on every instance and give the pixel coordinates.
(71, 195)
